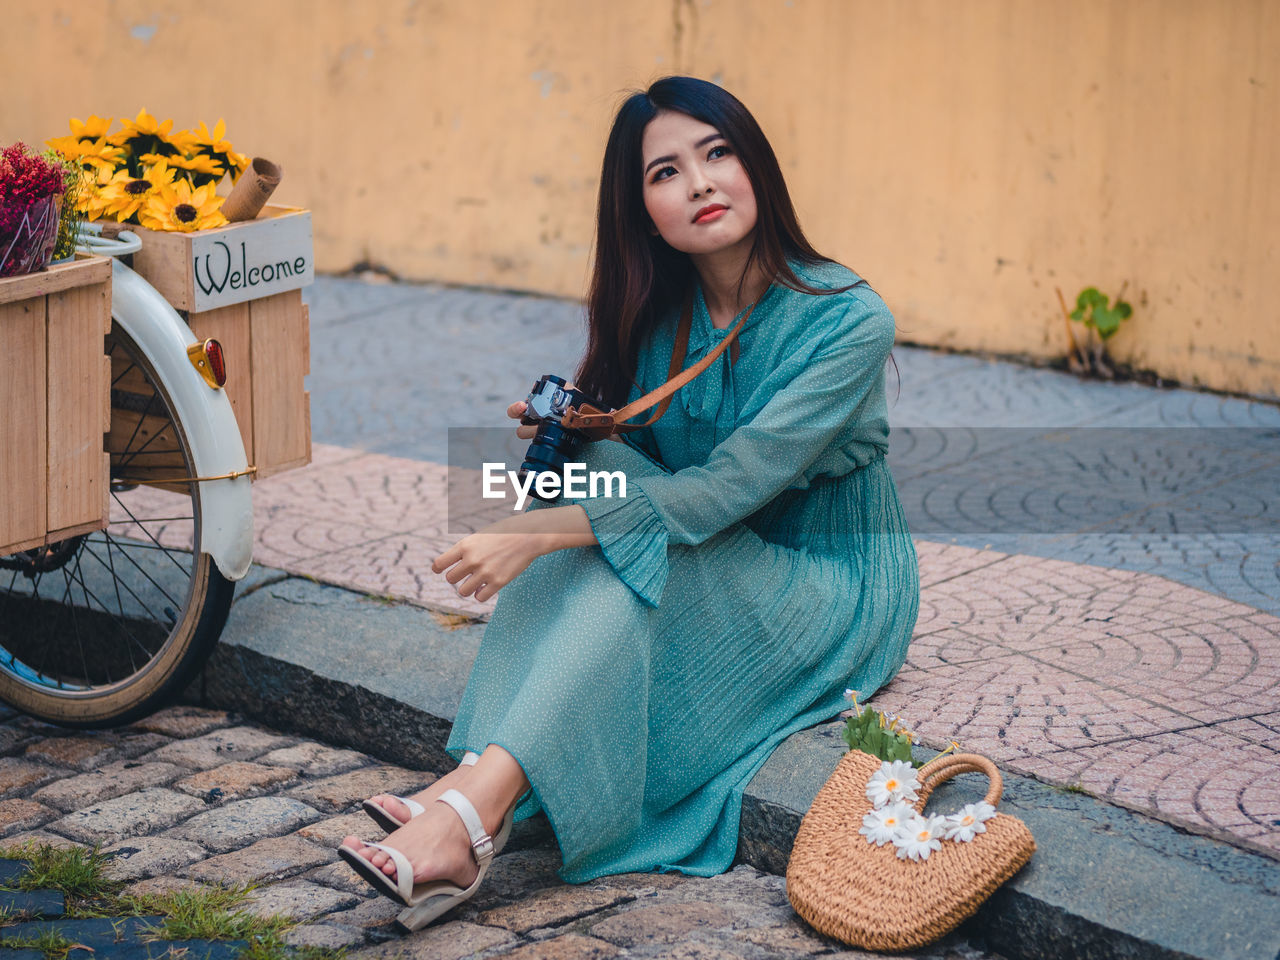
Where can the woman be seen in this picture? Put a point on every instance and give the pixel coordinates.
(648, 652)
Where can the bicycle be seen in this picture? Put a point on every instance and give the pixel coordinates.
(100, 629)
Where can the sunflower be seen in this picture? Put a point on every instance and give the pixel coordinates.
(90, 154)
(90, 200)
(124, 195)
(180, 206)
(200, 167)
(214, 146)
(95, 129)
(144, 135)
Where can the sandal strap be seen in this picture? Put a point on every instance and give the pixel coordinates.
(481, 842)
(415, 808)
(469, 759)
(404, 869)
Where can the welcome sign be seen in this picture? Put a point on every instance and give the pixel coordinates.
(215, 268)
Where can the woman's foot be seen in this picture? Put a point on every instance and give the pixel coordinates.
(435, 842)
(455, 779)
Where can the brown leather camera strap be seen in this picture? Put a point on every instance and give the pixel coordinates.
(597, 424)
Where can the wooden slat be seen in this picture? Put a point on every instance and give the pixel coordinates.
(306, 342)
(106, 394)
(75, 397)
(230, 327)
(165, 262)
(64, 276)
(54, 536)
(281, 407)
(22, 425)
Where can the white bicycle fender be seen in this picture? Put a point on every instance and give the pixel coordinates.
(226, 506)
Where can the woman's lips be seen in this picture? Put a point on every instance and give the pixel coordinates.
(711, 213)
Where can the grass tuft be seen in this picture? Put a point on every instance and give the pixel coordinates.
(52, 944)
(75, 871)
(210, 913)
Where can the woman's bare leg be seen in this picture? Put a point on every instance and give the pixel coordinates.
(436, 842)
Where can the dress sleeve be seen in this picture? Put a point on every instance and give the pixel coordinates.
(759, 460)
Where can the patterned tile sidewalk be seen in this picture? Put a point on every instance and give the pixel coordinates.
(1150, 693)
(191, 797)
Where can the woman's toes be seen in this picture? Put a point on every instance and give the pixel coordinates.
(392, 806)
(355, 843)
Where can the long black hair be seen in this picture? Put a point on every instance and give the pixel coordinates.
(637, 276)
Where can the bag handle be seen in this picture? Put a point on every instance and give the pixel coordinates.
(597, 424)
(941, 769)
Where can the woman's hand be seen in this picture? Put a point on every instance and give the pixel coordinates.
(484, 562)
(515, 412)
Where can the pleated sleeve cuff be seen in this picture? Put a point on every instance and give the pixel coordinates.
(634, 541)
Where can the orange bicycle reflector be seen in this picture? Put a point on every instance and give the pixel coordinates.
(207, 358)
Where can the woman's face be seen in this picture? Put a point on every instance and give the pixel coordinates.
(695, 189)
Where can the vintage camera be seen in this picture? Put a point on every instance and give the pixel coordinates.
(553, 444)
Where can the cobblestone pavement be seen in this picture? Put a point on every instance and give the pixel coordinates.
(192, 796)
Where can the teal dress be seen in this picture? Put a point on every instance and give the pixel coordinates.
(759, 564)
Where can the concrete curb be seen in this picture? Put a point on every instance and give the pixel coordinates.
(1105, 881)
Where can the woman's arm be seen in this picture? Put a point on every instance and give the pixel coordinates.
(484, 562)
(759, 460)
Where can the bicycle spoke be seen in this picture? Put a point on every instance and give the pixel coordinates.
(136, 427)
(142, 603)
(75, 626)
(152, 539)
(121, 622)
(158, 520)
(111, 561)
(131, 366)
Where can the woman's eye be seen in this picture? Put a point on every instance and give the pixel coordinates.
(718, 151)
(661, 173)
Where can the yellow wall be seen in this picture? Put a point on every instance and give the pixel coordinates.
(964, 155)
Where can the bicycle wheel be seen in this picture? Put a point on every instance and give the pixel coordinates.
(103, 628)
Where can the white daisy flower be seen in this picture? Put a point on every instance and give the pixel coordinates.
(918, 837)
(880, 826)
(962, 827)
(894, 781)
(850, 693)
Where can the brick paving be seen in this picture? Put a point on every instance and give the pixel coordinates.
(1054, 634)
(162, 837)
(1057, 669)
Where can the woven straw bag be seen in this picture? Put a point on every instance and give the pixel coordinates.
(865, 895)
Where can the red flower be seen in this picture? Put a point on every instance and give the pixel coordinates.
(27, 181)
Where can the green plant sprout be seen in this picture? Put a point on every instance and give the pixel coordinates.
(869, 730)
(1101, 320)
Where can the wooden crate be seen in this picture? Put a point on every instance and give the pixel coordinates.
(267, 345)
(207, 269)
(215, 278)
(55, 404)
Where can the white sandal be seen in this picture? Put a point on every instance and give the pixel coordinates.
(383, 817)
(426, 901)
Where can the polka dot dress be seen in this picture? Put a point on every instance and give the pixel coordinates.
(759, 564)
